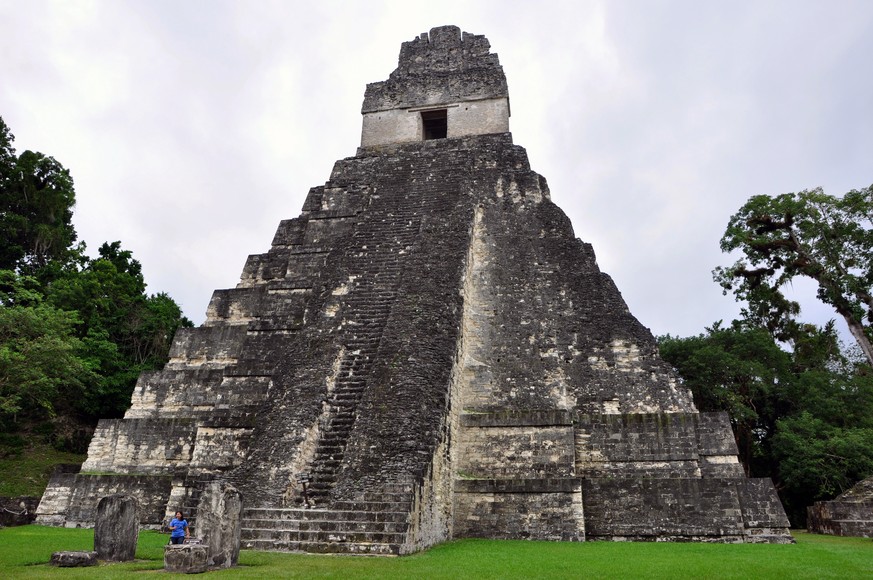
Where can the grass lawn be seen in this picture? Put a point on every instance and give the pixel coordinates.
(24, 552)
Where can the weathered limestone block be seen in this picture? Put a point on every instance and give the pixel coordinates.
(117, 528)
(233, 306)
(523, 451)
(55, 500)
(176, 393)
(219, 523)
(73, 559)
(849, 514)
(661, 445)
(186, 558)
(532, 509)
(206, 346)
(764, 518)
(218, 448)
(152, 446)
(673, 509)
(151, 492)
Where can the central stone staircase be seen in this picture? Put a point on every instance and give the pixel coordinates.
(377, 524)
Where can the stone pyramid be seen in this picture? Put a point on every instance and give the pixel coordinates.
(848, 514)
(432, 350)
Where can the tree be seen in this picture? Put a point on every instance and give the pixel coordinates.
(818, 460)
(803, 417)
(36, 207)
(123, 330)
(825, 238)
(75, 332)
(740, 370)
(39, 362)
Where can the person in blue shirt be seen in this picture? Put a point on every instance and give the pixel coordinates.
(178, 529)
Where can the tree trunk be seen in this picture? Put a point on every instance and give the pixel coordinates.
(857, 331)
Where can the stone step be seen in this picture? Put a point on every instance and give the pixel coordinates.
(362, 342)
(387, 496)
(320, 489)
(321, 465)
(344, 525)
(344, 415)
(353, 384)
(328, 439)
(335, 436)
(333, 446)
(322, 515)
(351, 387)
(343, 399)
(341, 420)
(322, 535)
(373, 549)
(373, 506)
(379, 313)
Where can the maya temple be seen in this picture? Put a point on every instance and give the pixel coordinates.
(433, 351)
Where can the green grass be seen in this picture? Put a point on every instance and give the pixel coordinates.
(24, 552)
(28, 474)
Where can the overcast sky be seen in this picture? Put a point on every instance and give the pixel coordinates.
(192, 128)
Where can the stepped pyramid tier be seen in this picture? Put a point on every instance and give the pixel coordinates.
(849, 514)
(431, 350)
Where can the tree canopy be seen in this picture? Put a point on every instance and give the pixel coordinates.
(826, 238)
(802, 417)
(800, 403)
(36, 208)
(75, 331)
(39, 353)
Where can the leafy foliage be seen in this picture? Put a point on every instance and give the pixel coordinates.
(75, 332)
(738, 370)
(828, 239)
(39, 360)
(123, 330)
(812, 425)
(36, 208)
(804, 418)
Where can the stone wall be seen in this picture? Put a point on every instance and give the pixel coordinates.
(538, 509)
(443, 66)
(644, 508)
(396, 126)
(71, 498)
(515, 445)
(841, 519)
(141, 445)
(55, 501)
(849, 514)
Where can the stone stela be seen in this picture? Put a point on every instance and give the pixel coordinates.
(432, 345)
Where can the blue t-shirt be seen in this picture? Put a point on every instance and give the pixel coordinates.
(178, 527)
